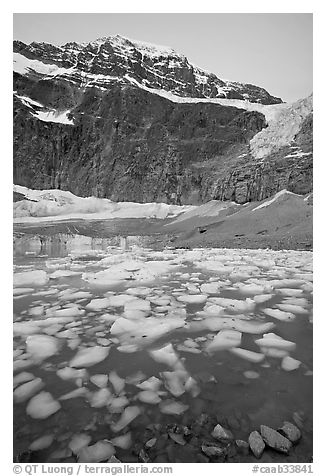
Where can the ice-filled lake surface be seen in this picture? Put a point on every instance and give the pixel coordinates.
(141, 353)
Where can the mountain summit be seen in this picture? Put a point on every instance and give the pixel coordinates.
(118, 59)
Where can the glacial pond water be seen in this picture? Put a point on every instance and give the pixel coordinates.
(147, 351)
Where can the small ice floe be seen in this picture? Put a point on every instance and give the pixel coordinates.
(148, 396)
(275, 346)
(19, 291)
(41, 347)
(73, 311)
(210, 288)
(25, 391)
(292, 308)
(101, 451)
(36, 311)
(165, 355)
(137, 304)
(290, 291)
(234, 304)
(22, 378)
(225, 339)
(98, 304)
(69, 295)
(42, 406)
(41, 443)
(100, 380)
(211, 309)
(134, 314)
(248, 355)
(124, 441)
(153, 384)
(289, 364)
(89, 356)
(67, 373)
(251, 374)
(101, 398)
(30, 278)
(129, 414)
(175, 381)
(117, 404)
(63, 273)
(252, 289)
(117, 382)
(280, 315)
(141, 291)
(74, 343)
(171, 407)
(262, 298)
(120, 300)
(192, 298)
(77, 393)
(79, 441)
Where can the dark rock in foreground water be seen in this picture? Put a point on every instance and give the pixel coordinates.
(256, 444)
(275, 440)
(290, 431)
(222, 434)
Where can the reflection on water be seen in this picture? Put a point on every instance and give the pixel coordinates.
(201, 388)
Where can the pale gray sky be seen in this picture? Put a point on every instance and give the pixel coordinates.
(271, 50)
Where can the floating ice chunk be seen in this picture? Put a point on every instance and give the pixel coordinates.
(175, 381)
(74, 343)
(42, 406)
(36, 311)
(22, 378)
(25, 391)
(262, 298)
(41, 347)
(141, 291)
(100, 380)
(234, 304)
(192, 387)
(98, 304)
(153, 384)
(123, 441)
(285, 283)
(31, 278)
(73, 311)
(192, 298)
(272, 340)
(73, 296)
(129, 414)
(134, 314)
(165, 355)
(78, 392)
(280, 315)
(248, 355)
(89, 356)
(117, 382)
(212, 309)
(290, 292)
(119, 300)
(117, 404)
(63, 273)
(288, 363)
(184, 348)
(292, 308)
(148, 396)
(41, 443)
(251, 374)
(19, 291)
(101, 451)
(250, 289)
(171, 407)
(101, 398)
(137, 305)
(79, 441)
(210, 288)
(225, 339)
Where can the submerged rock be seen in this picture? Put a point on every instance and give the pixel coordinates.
(101, 451)
(212, 450)
(242, 446)
(256, 444)
(222, 434)
(290, 431)
(275, 440)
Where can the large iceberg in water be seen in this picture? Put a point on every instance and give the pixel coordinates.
(60, 204)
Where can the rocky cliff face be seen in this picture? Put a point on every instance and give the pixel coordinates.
(128, 121)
